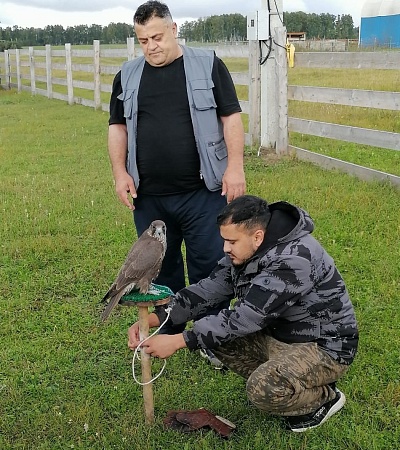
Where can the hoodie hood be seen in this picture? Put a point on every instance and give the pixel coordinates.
(288, 222)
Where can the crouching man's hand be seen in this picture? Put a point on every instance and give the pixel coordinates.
(164, 345)
(133, 331)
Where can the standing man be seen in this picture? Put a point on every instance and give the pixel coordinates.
(176, 143)
(292, 332)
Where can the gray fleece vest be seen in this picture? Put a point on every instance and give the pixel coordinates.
(207, 126)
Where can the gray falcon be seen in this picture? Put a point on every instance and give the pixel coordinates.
(142, 265)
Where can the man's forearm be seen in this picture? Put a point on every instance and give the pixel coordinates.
(234, 181)
(154, 321)
(234, 139)
(117, 148)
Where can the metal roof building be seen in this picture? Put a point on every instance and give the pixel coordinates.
(380, 23)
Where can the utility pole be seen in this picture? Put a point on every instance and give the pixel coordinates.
(261, 27)
(269, 83)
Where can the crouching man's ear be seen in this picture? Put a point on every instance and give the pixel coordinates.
(258, 237)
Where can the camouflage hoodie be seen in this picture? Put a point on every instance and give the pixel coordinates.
(290, 289)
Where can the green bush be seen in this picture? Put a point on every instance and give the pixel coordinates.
(6, 45)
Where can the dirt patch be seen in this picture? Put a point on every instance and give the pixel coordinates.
(269, 156)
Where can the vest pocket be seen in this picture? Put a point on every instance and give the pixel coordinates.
(128, 99)
(203, 96)
(217, 154)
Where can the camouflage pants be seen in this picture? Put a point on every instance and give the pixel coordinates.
(282, 379)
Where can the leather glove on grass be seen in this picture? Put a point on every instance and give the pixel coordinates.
(187, 421)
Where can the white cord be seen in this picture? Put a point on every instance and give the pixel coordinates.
(136, 356)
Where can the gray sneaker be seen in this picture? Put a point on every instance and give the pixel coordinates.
(306, 422)
(212, 359)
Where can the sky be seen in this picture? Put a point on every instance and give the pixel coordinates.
(39, 13)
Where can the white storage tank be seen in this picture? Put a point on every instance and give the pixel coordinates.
(380, 23)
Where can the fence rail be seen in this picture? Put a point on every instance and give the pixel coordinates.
(365, 136)
(350, 60)
(347, 97)
(327, 162)
(24, 69)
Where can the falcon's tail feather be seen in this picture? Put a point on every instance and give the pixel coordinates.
(112, 303)
(104, 299)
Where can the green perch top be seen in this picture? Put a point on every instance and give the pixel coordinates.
(155, 293)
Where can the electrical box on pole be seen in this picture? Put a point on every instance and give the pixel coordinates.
(257, 26)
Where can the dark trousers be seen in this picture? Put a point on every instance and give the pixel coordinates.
(190, 218)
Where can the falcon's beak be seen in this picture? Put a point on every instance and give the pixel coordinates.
(160, 232)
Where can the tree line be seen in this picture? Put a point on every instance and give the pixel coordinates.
(222, 28)
(17, 37)
(321, 26)
(233, 27)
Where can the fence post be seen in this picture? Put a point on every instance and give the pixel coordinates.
(48, 72)
(254, 94)
(281, 65)
(7, 81)
(32, 67)
(18, 63)
(130, 43)
(68, 63)
(97, 80)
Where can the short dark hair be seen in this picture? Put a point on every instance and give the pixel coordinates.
(247, 210)
(151, 9)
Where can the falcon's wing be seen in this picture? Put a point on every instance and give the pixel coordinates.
(143, 262)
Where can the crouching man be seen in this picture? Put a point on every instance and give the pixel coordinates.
(292, 331)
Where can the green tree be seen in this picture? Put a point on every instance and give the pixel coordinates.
(345, 27)
(320, 26)
(226, 27)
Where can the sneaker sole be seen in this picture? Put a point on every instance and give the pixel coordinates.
(335, 408)
(215, 365)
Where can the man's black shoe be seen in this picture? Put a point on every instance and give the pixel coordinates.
(306, 422)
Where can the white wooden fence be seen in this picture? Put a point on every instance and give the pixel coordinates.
(348, 97)
(45, 61)
(25, 69)
(14, 73)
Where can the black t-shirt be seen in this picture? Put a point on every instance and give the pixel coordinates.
(167, 157)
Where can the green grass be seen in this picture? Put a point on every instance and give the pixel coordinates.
(369, 79)
(65, 379)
